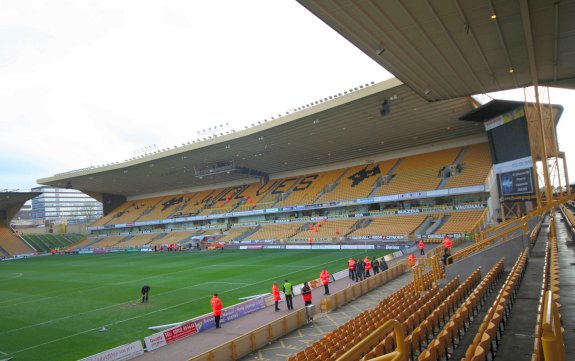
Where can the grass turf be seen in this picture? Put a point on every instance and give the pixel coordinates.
(53, 307)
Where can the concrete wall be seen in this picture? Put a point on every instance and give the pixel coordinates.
(487, 258)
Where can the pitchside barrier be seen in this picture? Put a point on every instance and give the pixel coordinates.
(260, 337)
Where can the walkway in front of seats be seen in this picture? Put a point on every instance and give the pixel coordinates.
(190, 347)
(518, 337)
(566, 256)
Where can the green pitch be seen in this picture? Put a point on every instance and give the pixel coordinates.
(54, 307)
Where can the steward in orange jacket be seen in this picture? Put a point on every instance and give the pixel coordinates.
(447, 243)
(421, 247)
(367, 266)
(216, 304)
(351, 267)
(411, 259)
(324, 277)
(276, 294)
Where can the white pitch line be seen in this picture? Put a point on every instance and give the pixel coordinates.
(34, 298)
(228, 283)
(152, 312)
(90, 311)
(14, 275)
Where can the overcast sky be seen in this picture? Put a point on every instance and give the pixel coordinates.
(89, 82)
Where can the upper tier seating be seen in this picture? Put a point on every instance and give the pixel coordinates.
(358, 181)
(476, 164)
(419, 172)
(308, 188)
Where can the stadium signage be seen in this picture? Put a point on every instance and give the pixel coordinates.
(469, 206)
(393, 237)
(408, 211)
(504, 118)
(174, 334)
(202, 323)
(120, 353)
(252, 247)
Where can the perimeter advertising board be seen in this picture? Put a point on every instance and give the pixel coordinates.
(202, 323)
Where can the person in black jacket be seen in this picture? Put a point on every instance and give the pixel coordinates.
(359, 270)
(145, 293)
(375, 265)
(383, 265)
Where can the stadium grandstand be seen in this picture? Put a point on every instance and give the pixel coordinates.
(381, 166)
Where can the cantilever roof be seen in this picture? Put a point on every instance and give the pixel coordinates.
(445, 49)
(343, 129)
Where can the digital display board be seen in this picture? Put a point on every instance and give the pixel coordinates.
(517, 182)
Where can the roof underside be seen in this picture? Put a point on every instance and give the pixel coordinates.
(344, 129)
(10, 200)
(446, 49)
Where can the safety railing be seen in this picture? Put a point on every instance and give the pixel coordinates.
(480, 224)
(418, 282)
(363, 347)
(509, 233)
(552, 336)
(549, 344)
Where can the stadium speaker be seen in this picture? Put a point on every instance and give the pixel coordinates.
(384, 108)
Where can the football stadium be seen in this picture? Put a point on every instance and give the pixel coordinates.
(445, 222)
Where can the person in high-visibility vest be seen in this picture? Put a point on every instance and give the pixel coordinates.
(411, 259)
(351, 268)
(367, 265)
(276, 294)
(288, 292)
(421, 247)
(216, 304)
(324, 277)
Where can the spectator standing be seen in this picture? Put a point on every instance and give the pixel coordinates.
(324, 277)
(145, 293)
(375, 265)
(216, 304)
(306, 294)
(288, 292)
(351, 268)
(383, 264)
(358, 270)
(421, 247)
(276, 295)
